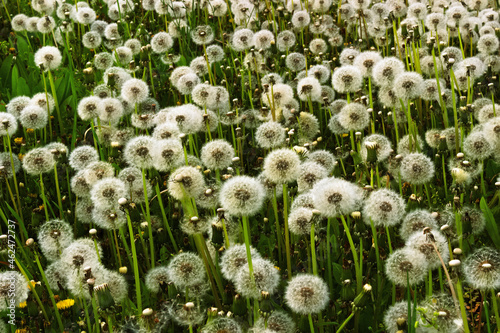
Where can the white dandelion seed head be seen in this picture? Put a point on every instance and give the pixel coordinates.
(19, 22)
(33, 117)
(407, 144)
(217, 154)
(137, 152)
(310, 173)
(234, 258)
(282, 165)
(406, 265)
(309, 88)
(82, 156)
(13, 288)
(417, 169)
(242, 195)
(17, 104)
(307, 294)
(134, 91)
(106, 192)
(386, 70)
(186, 269)
(334, 197)
(265, 278)
(354, 117)
(53, 237)
(482, 269)
(81, 253)
(242, 40)
(103, 60)
(347, 79)
(408, 85)
(90, 107)
(286, 40)
(383, 147)
(185, 182)
(416, 221)
(98, 170)
(419, 241)
(38, 161)
(111, 110)
(383, 208)
(167, 154)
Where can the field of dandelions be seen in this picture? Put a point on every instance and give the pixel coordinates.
(261, 166)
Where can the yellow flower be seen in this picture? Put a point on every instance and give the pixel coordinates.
(21, 330)
(65, 304)
(18, 141)
(23, 305)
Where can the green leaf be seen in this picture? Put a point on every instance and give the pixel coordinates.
(491, 225)
(15, 79)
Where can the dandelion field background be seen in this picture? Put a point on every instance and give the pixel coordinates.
(249, 166)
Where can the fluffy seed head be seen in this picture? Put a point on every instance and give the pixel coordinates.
(53, 237)
(482, 269)
(186, 269)
(347, 79)
(106, 192)
(38, 161)
(408, 85)
(234, 258)
(138, 152)
(354, 117)
(334, 197)
(242, 195)
(48, 58)
(185, 182)
(266, 278)
(134, 91)
(405, 265)
(306, 294)
(217, 154)
(270, 134)
(416, 221)
(384, 207)
(282, 165)
(417, 169)
(421, 242)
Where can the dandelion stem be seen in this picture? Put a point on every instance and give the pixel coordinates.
(136, 267)
(287, 235)
(359, 278)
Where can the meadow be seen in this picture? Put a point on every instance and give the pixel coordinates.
(261, 166)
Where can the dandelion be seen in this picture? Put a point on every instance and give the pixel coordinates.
(354, 116)
(53, 237)
(408, 85)
(282, 165)
(407, 144)
(417, 169)
(81, 253)
(265, 279)
(420, 242)
(222, 324)
(321, 73)
(285, 40)
(111, 110)
(277, 322)
(318, 45)
(82, 156)
(476, 146)
(309, 88)
(300, 220)
(17, 104)
(395, 314)
(300, 19)
(234, 258)
(188, 118)
(186, 269)
(138, 152)
(334, 197)
(217, 154)
(38, 161)
(415, 221)
(98, 170)
(310, 173)
(106, 192)
(108, 218)
(188, 314)
(382, 147)
(323, 158)
(440, 309)
(13, 289)
(134, 91)
(482, 269)
(242, 195)
(386, 70)
(46, 24)
(278, 96)
(103, 60)
(242, 40)
(33, 117)
(366, 61)
(405, 266)
(119, 77)
(167, 154)
(185, 182)
(19, 22)
(45, 101)
(306, 294)
(6, 163)
(383, 207)
(347, 79)
(295, 61)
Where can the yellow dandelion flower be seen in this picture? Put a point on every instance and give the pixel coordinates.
(65, 304)
(21, 330)
(23, 305)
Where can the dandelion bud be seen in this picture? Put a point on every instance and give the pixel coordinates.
(144, 225)
(356, 215)
(147, 312)
(90, 282)
(454, 263)
(29, 241)
(444, 227)
(460, 155)
(92, 231)
(122, 201)
(362, 297)
(457, 251)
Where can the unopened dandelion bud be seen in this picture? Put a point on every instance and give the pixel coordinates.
(497, 184)
(362, 297)
(92, 231)
(144, 225)
(239, 305)
(444, 227)
(91, 281)
(29, 242)
(122, 201)
(454, 263)
(356, 215)
(265, 220)
(147, 312)
(235, 159)
(460, 155)
(123, 270)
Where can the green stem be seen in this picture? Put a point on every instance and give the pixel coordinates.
(136, 266)
(287, 235)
